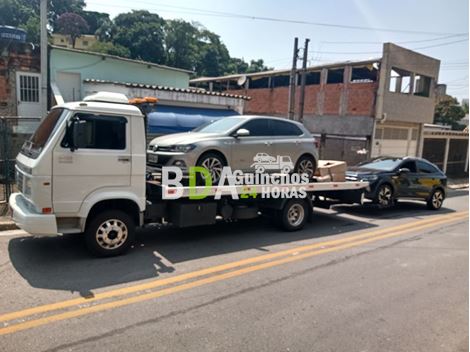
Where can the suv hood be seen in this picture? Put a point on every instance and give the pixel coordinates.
(359, 171)
(183, 138)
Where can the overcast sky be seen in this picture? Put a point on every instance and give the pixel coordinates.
(426, 22)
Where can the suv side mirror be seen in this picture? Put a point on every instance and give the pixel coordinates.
(242, 132)
(403, 170)
(72, 133)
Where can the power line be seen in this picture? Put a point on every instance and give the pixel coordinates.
(275, 19)
(400, 42)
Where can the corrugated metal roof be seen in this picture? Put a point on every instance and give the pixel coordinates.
(165, 88)
(282, 71)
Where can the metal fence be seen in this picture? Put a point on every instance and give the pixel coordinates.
(14, 131)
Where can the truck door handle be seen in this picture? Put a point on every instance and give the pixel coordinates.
(124, 159)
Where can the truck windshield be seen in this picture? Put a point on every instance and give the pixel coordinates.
(33, 147)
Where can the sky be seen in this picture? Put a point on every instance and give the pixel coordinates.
(433, 27)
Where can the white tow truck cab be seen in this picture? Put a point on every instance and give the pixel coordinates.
(84, 171)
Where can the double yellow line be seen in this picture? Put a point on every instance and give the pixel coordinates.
(205, 276)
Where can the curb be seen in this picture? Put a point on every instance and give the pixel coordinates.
(7, 225)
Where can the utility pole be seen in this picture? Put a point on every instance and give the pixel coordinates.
(302, 82)
(293, 72)
(43, 46)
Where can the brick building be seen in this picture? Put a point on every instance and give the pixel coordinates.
(359, 108)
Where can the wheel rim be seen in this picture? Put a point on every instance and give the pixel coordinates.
(306, 167)
(111, 234)
(385, 195)
(295, 215)
(214, 166)
(437, 199)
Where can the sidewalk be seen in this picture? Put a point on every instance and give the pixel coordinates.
(457, 183)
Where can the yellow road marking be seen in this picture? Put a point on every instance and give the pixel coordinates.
(215, 278)
(211, 270)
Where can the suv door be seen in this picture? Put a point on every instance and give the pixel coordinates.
(102, 160)
(407, 183)
(245, 149)
(287, 139)
(429, 177)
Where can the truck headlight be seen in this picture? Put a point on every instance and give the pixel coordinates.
(181, 148)
(27, 186)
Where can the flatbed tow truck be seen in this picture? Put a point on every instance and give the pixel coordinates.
(84, 171)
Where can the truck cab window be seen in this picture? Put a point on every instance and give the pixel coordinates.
(100, 132)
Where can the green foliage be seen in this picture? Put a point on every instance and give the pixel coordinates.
(137, 34)
(449, 112)
(110, 48)
(142, 33)
(71, 24)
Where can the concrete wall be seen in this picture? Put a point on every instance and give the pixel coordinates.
(106, 68)
(401, 106)
(15, 58)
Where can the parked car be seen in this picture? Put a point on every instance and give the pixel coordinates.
(237, 142)
(392, 178)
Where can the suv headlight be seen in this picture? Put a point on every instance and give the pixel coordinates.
(370, 178)
(181, 148)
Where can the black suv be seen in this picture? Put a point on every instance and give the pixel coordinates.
(391, 178)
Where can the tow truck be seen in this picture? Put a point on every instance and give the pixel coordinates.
(84, 171)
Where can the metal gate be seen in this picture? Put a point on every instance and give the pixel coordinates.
(353, 150)
(14, 131)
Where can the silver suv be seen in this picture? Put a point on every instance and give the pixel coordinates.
(247, 143)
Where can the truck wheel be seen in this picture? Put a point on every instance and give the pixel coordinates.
(110, 233)
(294, 215)
(435, 200)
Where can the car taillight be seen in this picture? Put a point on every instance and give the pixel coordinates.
(317, 143)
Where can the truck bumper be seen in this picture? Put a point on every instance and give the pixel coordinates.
(28, 219)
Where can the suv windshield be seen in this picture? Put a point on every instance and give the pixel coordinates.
(388, 164)
(38, 140)
(219, 126)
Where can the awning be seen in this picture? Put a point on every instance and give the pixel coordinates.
(173, 119)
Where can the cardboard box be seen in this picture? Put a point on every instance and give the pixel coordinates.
(336, 170)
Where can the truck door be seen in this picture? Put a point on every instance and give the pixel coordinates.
(102, 160)
(245, 149)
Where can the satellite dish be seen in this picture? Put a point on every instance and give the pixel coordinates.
(241, 81)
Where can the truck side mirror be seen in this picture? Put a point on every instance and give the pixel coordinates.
(72, 134)
(242, 132)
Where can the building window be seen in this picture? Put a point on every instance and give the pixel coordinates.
(422, 86)
(363, 74)
(414, 134)
(395, 133)
(29, 88)
(400, 81)
(335, 76)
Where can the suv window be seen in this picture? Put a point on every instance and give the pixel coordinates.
(409, 165)
(284, 128)
(257, 127)
(426, 168)
(100, 132)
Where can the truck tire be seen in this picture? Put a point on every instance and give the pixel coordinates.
(110, 233)
(294, 215)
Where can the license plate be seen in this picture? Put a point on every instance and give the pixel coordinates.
(152, 158)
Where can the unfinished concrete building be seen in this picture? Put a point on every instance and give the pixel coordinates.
(358, 108)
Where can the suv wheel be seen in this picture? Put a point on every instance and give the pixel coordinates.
(306, 165)
(213, 163)
(384, 197)
(436, 199)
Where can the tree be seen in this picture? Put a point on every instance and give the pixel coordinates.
(72, 24)
(237, 65)
(94, 20)
(258, 66)
(110, 48)
(449, 112)
(213, 57)
(142, 33)
(181, 41)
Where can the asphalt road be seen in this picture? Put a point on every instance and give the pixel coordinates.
(355, 279)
